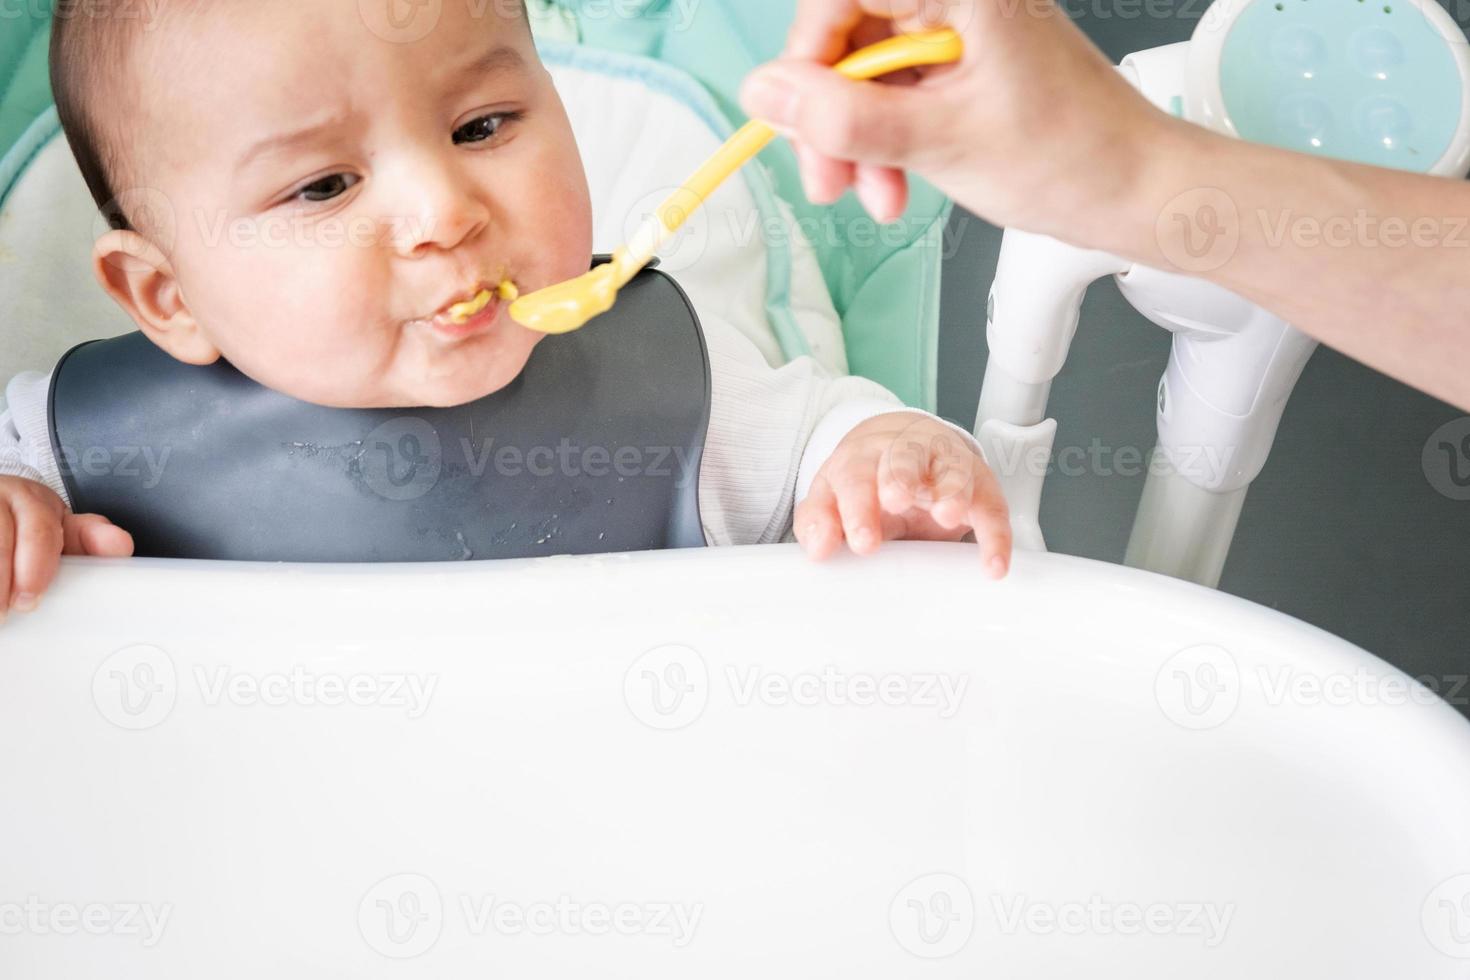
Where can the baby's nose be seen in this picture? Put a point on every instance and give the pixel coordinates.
(447, 209)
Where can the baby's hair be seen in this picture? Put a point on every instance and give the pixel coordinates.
(89, 57)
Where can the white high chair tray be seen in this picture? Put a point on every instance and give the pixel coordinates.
(714, 764)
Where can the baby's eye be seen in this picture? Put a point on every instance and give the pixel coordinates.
(483, 128)
(327, 188)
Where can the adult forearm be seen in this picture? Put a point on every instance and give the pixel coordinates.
(1373, 262)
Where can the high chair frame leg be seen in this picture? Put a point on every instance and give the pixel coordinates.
(1030, 319)
(1231, 369)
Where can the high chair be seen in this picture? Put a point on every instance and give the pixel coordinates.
(1379, 83)
(697, 763)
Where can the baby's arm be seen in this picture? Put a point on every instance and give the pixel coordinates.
(36, 527)
(843, 451)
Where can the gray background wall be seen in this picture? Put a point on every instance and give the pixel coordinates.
(1344, 529)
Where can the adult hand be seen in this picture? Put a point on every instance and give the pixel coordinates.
(1032, 124)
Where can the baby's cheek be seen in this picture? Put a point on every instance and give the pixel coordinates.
(286, 305)
(557, 215)
(572, 253)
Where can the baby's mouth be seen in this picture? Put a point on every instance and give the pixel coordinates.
(472, 312)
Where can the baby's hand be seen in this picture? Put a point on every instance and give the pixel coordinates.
(36, 529)
(905, 476)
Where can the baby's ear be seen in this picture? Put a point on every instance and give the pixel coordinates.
(136, 274)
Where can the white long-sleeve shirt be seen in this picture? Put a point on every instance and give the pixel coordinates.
(770, 431)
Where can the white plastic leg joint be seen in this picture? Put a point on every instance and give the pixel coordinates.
(1019, 455)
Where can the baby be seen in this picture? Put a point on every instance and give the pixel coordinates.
(457, 150)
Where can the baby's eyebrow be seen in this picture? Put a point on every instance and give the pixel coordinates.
(463, 77)
(501, 58)
(282, 141)
(497, 58)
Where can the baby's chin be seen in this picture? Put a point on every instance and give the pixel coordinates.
(474, 372)
(464, 373)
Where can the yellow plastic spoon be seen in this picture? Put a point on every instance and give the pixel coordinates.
(567, 306)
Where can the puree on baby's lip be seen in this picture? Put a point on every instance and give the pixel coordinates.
(460, 312)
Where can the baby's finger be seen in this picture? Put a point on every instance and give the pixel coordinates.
(928, 470)
(951, 511)
(990, 518)
(856, 487)
(895, 495)
(38, 543)
(818, 524)
(93, 534)
(901, 473)
(7, 555)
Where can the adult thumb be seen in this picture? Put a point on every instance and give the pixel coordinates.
(866, 122)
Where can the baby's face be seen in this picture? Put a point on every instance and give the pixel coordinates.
(334, 192)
